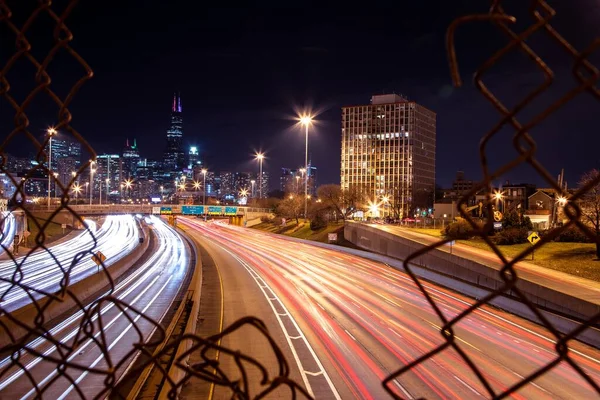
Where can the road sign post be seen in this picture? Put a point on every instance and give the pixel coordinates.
(98, 258)
(533, 238)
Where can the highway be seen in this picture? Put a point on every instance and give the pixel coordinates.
(42, 271)
(364, 320)
(150, 289)
(9, 228)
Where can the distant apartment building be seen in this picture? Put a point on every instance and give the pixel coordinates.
(388, 150)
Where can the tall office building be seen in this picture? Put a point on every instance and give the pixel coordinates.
(109, 174)
(388, 149)
(292, 180)
(66, 157)
(131, 159)
(174, 159)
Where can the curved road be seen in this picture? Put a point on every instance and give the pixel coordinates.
(150, 289)
(365, 320)
(117, 237)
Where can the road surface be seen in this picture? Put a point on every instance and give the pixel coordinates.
(149, 289)
(42, 271)
(364, 320)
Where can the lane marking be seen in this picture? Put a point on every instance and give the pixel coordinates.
(467, 385)
(303, 374)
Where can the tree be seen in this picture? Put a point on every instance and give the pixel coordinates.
(515, 219)
(331, 196)
(590, 204)
(291, 207)
(343, 202)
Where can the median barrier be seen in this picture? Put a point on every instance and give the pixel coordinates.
(85, 291)
(469, 271)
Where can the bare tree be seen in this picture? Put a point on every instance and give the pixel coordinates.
(590, 205)
(291, 207)
(343, 202)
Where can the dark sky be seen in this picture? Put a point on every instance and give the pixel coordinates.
(242, 73)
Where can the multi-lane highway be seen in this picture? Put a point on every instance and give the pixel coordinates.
(364, 320)
(149, 289)
(42, 271)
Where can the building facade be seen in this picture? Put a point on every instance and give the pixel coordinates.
(388, 150)
(131, 159)
(174, 158)
(108, 177)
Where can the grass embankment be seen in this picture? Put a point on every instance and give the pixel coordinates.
(53, 231)
(577, 259)
(303, 231)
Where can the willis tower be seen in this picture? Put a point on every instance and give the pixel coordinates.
(174, 160)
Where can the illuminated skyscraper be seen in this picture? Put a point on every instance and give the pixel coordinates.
(131, 159)
(174, 160)
(388, 151)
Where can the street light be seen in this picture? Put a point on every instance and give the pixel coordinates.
(55, 185)
(51, 132)
(77, 190)
(260, 157)
(306, 120)
(204, 171)
(91, 181)
(252, 182)
(499, 197)
(107, 188)
(128, 183)
(162, 188)
(561, 201)
(386, 200)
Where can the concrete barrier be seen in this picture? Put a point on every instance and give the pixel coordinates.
(85, 290)
(468, 271)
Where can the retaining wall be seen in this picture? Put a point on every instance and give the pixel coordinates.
(465, 270)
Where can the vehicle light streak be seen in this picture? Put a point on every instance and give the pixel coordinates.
(372, 317)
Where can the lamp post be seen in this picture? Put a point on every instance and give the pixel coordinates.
(260, 157)
(204, 171)
(91, 181)
(297, 180)
(306, 120)
(51, 132)
(386, 201)
(162, 189)
(252, 182)
(100, 193)
(55, 186)
(196, 187)
(87, 184)
(76, 189)
(107, 189)
(499, 198)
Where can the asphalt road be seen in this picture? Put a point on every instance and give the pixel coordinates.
(41, 272)
(245, 294)
(364, 320)
(91, 356)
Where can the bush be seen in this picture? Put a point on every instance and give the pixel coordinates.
(510, 236)
(458, 230)
(573, 234)
(318, 222)
(265, 218)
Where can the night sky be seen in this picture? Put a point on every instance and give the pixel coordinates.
(244, 72)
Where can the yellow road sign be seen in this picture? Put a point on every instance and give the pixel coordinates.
(497, 216)
(533, 238)
(98, 258)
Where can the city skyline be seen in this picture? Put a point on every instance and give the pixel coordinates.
(245, 85)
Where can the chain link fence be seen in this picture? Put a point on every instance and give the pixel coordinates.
(22, 336)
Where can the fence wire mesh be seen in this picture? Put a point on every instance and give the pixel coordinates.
(29, 337)
(586, 76)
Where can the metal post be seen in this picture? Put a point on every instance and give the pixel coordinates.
(260, 182)
(91, 182)
(204, 190)
(306, 176)
(49, 169)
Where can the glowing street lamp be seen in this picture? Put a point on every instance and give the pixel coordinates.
(92, 162)
(306, 120)
(386, 201)
(561, 201)
(252, 182)
(499, 198)
(260, 157)
(51, 132)
(204, 171)
(76, 190)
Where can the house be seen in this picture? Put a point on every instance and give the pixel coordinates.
(541, 208)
